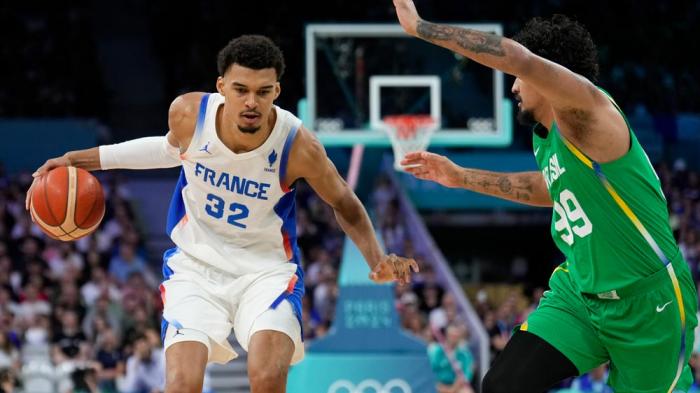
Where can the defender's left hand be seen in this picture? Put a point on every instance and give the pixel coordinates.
(393, 268)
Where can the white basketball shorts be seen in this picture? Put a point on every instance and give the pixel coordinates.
(203, 304)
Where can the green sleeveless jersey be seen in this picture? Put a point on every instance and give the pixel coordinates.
(610, 220)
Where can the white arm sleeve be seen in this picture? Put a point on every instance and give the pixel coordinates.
(143, 153)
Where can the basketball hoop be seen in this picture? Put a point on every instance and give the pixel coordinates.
(408, 133)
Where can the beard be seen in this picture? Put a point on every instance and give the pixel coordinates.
(526, 118)
(248, 130)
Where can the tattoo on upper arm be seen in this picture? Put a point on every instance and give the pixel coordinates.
(473, 40)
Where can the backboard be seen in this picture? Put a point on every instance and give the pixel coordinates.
(356, 74)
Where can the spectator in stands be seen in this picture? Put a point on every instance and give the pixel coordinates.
(30, 251)
(325, 295)
(36, 331)
(498, 336)
(445, 314)
(695, 366)
(109, 356)
(308, 232)
(430, 298)
(392, 229)
(137, 323)
(84, 380)
(413, 320)
(63, 257)
(8, 307)
(69, 342)
(145, 369)
(108, 311)
(320, 267)
(9, 355)
(592, 382)
(452, 361)
(32, 303)
(99, 285)
(7, 380)
(537, 294)
(125, 263)
(310, 320)
(68, 298)
(383, 194)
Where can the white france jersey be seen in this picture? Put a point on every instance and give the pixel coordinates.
(232, 210)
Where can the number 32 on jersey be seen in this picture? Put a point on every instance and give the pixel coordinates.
(570, 218)
(237, 211)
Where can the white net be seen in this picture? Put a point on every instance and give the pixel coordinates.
(408, 133)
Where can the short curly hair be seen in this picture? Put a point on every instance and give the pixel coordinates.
(563, 41)
(251, 51)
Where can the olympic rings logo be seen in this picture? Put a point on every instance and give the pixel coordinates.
(370, 386)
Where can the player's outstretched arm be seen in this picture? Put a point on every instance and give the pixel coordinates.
(308, 160)
(585, 114)
(564, 88)
(141, 153)
(528, 188)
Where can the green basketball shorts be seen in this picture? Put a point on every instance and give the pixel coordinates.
(645, 330)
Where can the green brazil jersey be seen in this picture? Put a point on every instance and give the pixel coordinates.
(597, 212)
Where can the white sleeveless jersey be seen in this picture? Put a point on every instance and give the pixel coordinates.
(231, 210)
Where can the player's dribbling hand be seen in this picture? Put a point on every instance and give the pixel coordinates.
(431, 166)
(408, 16)
(393, 268)
(44, 169)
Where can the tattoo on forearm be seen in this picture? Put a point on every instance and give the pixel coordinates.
(500, 185)
(473, 40)
(522, 196)
(505, 185)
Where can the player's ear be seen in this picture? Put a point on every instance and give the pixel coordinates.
(220, 85)
(278, 89)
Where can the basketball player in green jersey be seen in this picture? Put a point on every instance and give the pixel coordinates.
(625, 294)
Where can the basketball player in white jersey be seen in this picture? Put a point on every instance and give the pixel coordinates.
(236, 264)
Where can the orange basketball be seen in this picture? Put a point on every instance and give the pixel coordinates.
(67, 203)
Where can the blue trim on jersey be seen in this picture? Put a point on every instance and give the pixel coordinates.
(177, 206)
(285, 154)
(167, 272)
(201, 117)
(286, 210)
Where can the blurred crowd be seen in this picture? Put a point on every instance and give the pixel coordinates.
(682, 189)
(425, 307)
(681, 186)
(79, 316)
(321, 242)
